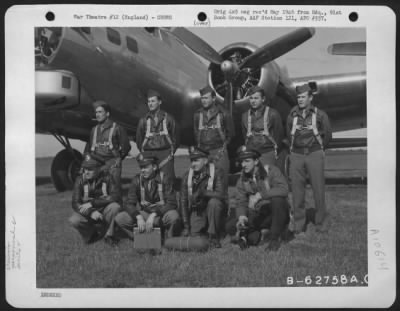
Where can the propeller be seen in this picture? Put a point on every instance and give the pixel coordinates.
(197, 45)
(348, 49)
(277, 47)
(228, 99)
(238, 72)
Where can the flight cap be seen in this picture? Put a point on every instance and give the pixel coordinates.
(256, 89)
(146, 158)
(244, 153)
(206, 90)
(152, 93)
(196, 153)
(303, 88)
(91, 162)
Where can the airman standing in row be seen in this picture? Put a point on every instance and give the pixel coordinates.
(157, 134)
(262, 127)
(109, 141)
(213, 130)
(310, 133)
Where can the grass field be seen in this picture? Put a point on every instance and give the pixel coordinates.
(63, 261)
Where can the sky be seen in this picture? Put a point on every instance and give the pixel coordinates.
(310, 58)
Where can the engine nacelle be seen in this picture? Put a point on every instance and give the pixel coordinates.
(266, 77)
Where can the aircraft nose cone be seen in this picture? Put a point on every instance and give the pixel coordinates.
(227, 67)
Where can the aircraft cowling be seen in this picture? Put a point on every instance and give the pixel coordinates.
(266, 76)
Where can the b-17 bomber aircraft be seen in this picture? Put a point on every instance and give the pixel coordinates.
(76, 66)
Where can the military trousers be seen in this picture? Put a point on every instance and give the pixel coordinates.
(312, 164)
(169, 222)
(90, 229)
(270, 214)
(208, 220)
(220, 159)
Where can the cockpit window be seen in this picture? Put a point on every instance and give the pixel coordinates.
(131, 44)
(86, 30)
(150, 29)
(155, 31)
(113, 36)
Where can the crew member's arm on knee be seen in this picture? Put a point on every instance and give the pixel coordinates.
(278, 184)
(78, 205)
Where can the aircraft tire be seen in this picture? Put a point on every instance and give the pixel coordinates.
(64, 169)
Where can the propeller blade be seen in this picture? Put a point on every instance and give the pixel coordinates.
(228, 99)
(197, 45)
(277, 47)
(348, 49)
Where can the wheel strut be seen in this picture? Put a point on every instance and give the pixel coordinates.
(64, 140)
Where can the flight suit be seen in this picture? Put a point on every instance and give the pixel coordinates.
(162, 203)
(202, 211)
(308, 157)
(112, 152)
(256, 137)
(160, 144)
(103, 194)
(271, 211)
(213, 130)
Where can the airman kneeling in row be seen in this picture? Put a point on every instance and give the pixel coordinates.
(151, 201)
(262, 204)
(95, 201)
(202, 197)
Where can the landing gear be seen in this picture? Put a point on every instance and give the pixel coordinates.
(65, 166)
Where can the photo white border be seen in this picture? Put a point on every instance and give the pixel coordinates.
(21, 291)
